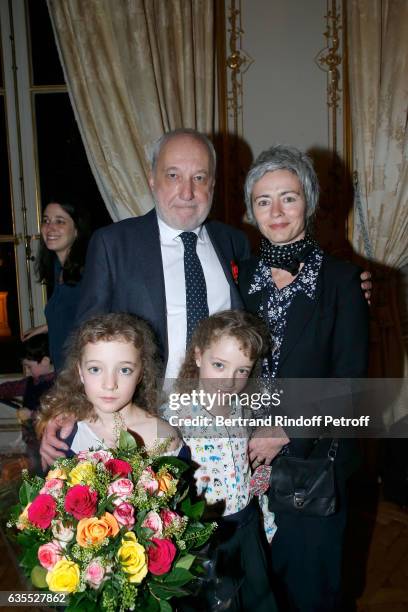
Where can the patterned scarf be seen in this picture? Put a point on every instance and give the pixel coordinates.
(287, 256)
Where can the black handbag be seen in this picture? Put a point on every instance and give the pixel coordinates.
(304, 486)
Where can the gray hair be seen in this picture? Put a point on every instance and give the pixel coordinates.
(198, 136)
(284, 157)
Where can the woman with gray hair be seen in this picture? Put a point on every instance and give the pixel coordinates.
(318, 320)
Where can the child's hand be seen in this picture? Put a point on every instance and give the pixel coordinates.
(50, 443)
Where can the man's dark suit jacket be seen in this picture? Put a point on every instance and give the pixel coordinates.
(326, 337)
(124, 270)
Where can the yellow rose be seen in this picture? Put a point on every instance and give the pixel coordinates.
(92, 531)
(165, 481)
(64, 577)
(82, 473)
(132, 557)
(56, 473)
(23, 521)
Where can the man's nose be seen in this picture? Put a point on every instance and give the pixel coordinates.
(187, 190)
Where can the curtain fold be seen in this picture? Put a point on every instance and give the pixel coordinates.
(378, 68)
(134, 69)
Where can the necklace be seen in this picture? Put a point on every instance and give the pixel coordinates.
(119, 425)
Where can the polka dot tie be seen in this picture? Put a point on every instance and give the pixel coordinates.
(196, 289)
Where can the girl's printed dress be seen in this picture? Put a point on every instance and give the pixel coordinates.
(223, 473)
(219, 455)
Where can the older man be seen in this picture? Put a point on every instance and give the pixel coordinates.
(138, 266)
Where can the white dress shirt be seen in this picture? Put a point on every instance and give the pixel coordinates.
(218, 289)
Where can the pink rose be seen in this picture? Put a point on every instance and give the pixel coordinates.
(124, 514)
(153, 522)
(53, 487)
(61, 532)
(148, 481)
(49, 554)
(42, 510)
(160, 555)
(122, 488)
(102, 456)
(118, 467)
(94, 573)
(169, 517)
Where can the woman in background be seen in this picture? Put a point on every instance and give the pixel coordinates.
(61, 258)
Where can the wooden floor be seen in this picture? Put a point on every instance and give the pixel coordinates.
(387, 572)
(376, 554)
(376, 557)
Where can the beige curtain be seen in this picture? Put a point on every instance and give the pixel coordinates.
(378, 58)
(134, 69)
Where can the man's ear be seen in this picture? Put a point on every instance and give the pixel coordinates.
(197, 356)
(46, 361)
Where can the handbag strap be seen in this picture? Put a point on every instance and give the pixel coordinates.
(333, 449)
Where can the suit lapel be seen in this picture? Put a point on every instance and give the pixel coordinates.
(226, 259)
(152, 271)
(299, 315)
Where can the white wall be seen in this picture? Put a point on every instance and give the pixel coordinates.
(284, 90)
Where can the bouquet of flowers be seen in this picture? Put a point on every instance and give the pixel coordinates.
(114, 529)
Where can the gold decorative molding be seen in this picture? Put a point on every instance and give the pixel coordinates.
(330, 59)
(237, 62)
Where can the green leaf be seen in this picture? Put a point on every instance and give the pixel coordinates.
(193, 511)
(149, 604)
(27, 494)
(173, 461)
(30, 557)
(165, 606)
(126, 441)
(165, 592)
(185, 562)
(177, 577)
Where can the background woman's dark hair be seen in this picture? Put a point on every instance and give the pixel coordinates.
(74, 264)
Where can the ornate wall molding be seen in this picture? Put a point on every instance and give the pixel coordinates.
(330, 60)
(336, 198)
(233, 62)
(237, 62)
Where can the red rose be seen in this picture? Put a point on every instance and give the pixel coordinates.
(81, 502)
(161, 555)
(119, 467)
(42, 510)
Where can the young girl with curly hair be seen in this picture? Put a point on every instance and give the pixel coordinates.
(225, 351)
(109, 383)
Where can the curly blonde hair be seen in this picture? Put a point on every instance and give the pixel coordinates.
(67, 396)
(250, 331)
